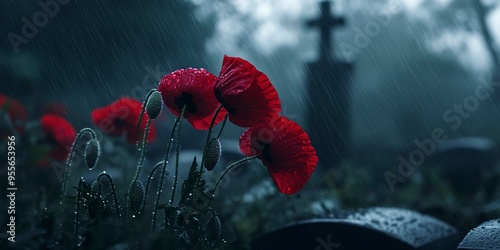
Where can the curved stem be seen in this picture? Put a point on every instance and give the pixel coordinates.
(113, 190)
(212, 211)
(77, 213)
(68, 166)
(164, 167)
(143, 151)
(144, 106)
(223, 125)
(177, 153)
(229, 168)
(141, 160)
(209, 134)
(150, 177)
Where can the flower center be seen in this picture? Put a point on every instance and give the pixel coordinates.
(119, 122)
(265, 152)
(187, 100)
(229, 109)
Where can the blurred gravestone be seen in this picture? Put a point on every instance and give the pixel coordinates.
(464, 160)
(329, 90)
(374, 228)
(484, 237)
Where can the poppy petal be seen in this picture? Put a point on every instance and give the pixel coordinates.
(103, 118)
(204, 124)
(15, 111)
(60, 131)
(121, 117)
(246, 93)
(285, 150)
(245, 144)
(194, 88)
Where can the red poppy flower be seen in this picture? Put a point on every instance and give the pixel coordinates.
(246, 93)
(285, 150)
(121, 117)
(15, 112)
(193, 88)
(60, 133)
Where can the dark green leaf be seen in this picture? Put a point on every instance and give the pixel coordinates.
(194, 181)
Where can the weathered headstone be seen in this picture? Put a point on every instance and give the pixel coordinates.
(374, 228)
(463, 160)
(484, 237)
(328, 82)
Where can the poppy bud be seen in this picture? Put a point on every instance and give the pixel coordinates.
(92, 152)
(153, 106)
(136, 197)
(214, 226)
(212, 154)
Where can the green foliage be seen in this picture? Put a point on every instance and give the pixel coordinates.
(194, 182)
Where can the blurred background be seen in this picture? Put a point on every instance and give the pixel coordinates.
(420, 70)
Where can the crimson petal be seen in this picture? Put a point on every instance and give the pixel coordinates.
(246, 93)
(15, 111)
(121, 117)
(194, 88)
(286, 151)
(61, 132)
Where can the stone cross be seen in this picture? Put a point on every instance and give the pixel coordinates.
(328, 80)
(325, 23)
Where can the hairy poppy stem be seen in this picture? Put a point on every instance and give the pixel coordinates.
(77, 213)
(227, 170)
(209, 134)
(150, 177)
(141, 160)
(113, 190)
(144, 107)
(68, 166)
(143, 151)
(177, 153)
(164, 169)
(223, 125)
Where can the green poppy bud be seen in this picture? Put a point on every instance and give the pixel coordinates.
(136, 197)
(92, 153)
(213, 227)
(153, 107)
(212, 154)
